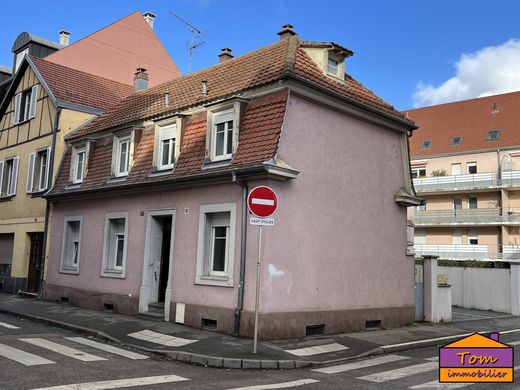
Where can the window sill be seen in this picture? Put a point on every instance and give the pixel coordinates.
(6, 198)
(23, 122)
(116, 179)
(208, 164)
(69, 270)
(72, 186)
(218, 281)
(160, 172)
(37, 194)
(112, 273)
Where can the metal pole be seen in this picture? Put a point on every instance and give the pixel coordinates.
(257, 287)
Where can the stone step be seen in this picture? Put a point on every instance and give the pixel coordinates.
(150, 315)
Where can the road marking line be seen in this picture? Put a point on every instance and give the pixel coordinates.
(265, 202)
(400, 372)
(334, 347)
(108, 348)
(432, 359)
(161, 338)
(513, 343)
(283, 385)
(361, 364)
(26, 358)
(438, 385)
(8, 326)
(116, 384)
(63, 350)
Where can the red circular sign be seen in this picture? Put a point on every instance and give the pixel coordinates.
(262, 201)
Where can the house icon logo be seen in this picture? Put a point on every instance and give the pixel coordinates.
(476, 358)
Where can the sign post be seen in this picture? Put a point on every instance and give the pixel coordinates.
(262, 203)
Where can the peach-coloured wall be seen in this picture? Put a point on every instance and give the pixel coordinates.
(444, 236)
(486, 162)
(445, 202)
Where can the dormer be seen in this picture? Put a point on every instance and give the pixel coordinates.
(124, 146)
(329, 56)
(167, 145)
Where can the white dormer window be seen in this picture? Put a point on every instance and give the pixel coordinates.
(166, 155)
(222, 135)
(25, 105)
(78, 165)
(333, 67)
(123, 155)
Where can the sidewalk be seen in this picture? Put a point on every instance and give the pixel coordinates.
(204, 347)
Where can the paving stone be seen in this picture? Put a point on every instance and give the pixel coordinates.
(269, 364)
(232, 363)
(250, 363)
(285, 364)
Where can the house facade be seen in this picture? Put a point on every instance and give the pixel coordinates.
(150, 200)
(465, 158)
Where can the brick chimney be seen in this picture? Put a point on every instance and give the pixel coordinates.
(150, 18)
(140, 79)
(287, 31)
(64, 38)
(225, 55)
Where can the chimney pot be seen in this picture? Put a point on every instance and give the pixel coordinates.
(140, 79)
(286, 31)
(150, 18)
(225, 54)
(64, 38)
(204, 88)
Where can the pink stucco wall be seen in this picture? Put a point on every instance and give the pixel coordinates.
(339, 240)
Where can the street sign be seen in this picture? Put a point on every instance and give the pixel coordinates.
(261, 221)
(262, 201)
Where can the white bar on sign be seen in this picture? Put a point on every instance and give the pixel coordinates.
(265, 202)
(261, 221)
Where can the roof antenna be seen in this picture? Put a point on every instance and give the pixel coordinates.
(192, 44)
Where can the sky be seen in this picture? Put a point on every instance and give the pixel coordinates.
(411, 53)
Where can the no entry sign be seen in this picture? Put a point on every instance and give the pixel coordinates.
(262, 201)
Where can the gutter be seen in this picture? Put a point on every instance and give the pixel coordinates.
(47, 204)
(243, 243)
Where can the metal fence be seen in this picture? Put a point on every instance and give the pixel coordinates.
(470, 252)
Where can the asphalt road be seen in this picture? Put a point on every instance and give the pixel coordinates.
(35, 356)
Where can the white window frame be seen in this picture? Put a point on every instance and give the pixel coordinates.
(115, 271)
(44, 169)
(329, 59)
(65, 266)
(219, 117)
(120, 141)
(417, 172)
(29, 104)
(9, 173)
(77, 152)
(459, 165)
(168, 132)
(223, 279)
(472, 235)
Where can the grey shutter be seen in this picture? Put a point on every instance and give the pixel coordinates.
(17, 103)
(49, 179)
(1, 176)
(34, 98)
(30, 173)
(16, 164)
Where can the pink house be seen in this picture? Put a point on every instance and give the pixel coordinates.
(149, 206)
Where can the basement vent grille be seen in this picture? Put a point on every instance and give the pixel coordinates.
(64, 299)
(314, 330)
(108, 306)
(372, 324)
(209, 324)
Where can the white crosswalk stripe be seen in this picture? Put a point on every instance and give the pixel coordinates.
(309, 351)
(438, 385)
(62, 349)
(283, 385)
(26, 358)
(8, 326)
(119, 383)
(361, 364)
(400, 372)
(513, 343)
(107, 348)
(160, 338)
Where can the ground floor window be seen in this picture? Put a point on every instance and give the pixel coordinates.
(114, 249)
(71, 246)
(6, 253)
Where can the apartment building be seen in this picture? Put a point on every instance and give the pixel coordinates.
(465, 161)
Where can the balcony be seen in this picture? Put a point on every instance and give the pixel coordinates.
(470, 252)
(459, 217)
(510, 178)
(456, 182)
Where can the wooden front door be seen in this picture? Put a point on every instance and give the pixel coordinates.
(35, 258)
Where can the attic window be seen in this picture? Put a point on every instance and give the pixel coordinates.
(492, 135)
(426, 144)
(333, 66)
(456, 140)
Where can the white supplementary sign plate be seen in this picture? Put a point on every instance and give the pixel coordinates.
(261, 221)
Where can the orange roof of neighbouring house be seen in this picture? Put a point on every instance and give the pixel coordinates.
(476, 341)
(472, 120)
(115, 51)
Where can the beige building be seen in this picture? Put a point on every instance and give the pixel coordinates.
(465, 160)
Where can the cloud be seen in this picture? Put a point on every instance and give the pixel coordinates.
(488, 71)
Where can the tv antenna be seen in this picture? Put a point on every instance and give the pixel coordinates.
(192, 45)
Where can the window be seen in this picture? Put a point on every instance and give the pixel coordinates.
(38, 171)
(25, 104)
(8, 176)
(123, 155)
(6, 253)
(418, 172)
(493, 135)
(215, 250)
(472, 202)
(70, 251)
(426, 144)
(78, 166)
(472, 238)
(114, 252)
(457, 203)
(456, 140)
(457, 238)
(456, 169)
(166, 155)
(472, 167)
(222, 135)
(332, 66)
(19, 58)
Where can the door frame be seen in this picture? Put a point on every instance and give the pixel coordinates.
(145, 292)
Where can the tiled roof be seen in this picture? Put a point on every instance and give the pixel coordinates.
(259, 136)
(470, 119)
(260, 67)
(74, 86)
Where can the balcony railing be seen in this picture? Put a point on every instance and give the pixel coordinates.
(460, 216)
(470, 252)
(510, 178)
(456, 182)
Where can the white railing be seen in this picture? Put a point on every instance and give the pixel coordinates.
(469, 252)
(456, 182)
(459, 216)
(510, 178)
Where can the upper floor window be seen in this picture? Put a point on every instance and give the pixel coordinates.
(19, 57)
(472, 167)
(25, 104)
(38, 171)
(9, 176)
(333, 66)
(492, 135)
(426, 144)
(122, 155)
(166, 155)
(456, 140)
(78, 164)
(418, 172)
(222, 135)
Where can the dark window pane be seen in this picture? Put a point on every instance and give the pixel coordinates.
(219, 248)
(166, 152)
(219, 147)
(120, 248)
